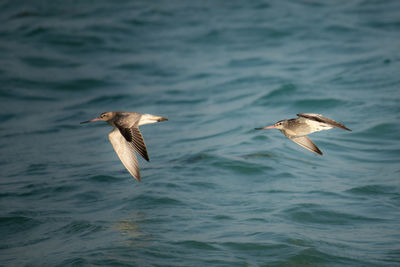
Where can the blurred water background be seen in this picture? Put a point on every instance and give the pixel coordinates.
(216, 192)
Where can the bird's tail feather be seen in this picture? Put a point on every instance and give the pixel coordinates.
(148, 118)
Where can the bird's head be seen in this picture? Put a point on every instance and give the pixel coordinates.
(279, 125)
(105, 116)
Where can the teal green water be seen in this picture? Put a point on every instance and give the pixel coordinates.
(216, 192)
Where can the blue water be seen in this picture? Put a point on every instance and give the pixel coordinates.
(216, 192)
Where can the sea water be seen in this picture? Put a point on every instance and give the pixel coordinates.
(215, 192)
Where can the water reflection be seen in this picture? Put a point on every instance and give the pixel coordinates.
(131, 231)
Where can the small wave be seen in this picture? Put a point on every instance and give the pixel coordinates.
(323, 103)
(253, 246)
(14, 224)
(312, 213)
(209, 135)
(47, 62)
(371, 190)
(340, 29)
(80, 228)
(25, 14)
(69, 41)
(82, 84)
(33, 95)
(248, 62)
(151, 70)
(103, 178)
(146, 199)
(201, 76)
(285, 90)
(88, 197)
(222, 217)
(194, 244)
(8, 116)
(196, 158)
(259, 155)
(239, 166)
(182, 101)
(249, 81)
(102, 100)
(380, 130)
(311, 256)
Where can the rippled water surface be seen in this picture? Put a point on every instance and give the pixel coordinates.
(216, 192)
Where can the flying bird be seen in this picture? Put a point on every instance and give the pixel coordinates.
(297, 129)
(126, 137)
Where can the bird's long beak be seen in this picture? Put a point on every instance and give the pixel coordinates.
(266, 127)
(95, 119)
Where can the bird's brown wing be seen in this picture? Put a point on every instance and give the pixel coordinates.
(125, 152)
(320, 118)
(127, 119)
(135, 138)
(305, 142)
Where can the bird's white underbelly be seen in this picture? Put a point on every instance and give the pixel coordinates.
(318, 126)
(148, 118)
